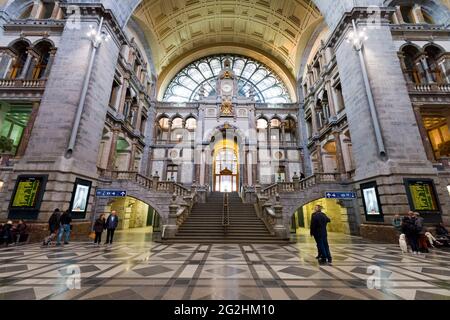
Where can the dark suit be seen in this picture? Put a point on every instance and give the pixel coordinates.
(319, 222)
(111, 225)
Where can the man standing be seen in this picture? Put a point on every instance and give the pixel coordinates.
(319, 222)
(54, 221)
(111, 225)
(65, 221)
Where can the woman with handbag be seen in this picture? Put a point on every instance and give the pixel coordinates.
(99, 226)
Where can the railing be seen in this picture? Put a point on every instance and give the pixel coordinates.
(148, 183)
(22, 84)
(286, 187)
(429, 88)
(226, 212)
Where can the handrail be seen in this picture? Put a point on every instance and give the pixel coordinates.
(226, 212)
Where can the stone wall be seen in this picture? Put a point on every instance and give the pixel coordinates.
(39, 231)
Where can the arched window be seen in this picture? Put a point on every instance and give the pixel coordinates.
(433, 53)
(290, 131)
(191, 124)
(21, 54)
(275, 123)
(177, 123)
(178, 131)
(40, 70)
(252, 75)
(414, 72)
(275, 130)
(163, 127)
(261, 126)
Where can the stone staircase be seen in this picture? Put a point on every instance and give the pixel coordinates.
(204, 224)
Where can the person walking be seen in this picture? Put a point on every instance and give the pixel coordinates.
(99, 226)
(410, 231)
(319, 222)
(420, 230)
(65, 221)
(54, 221)
(111, 225)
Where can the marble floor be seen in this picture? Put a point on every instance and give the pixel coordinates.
(136, 269)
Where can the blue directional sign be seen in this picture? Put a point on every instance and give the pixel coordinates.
(340, 195)
(103, 193)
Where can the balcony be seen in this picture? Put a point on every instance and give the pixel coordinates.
(433, 88)
(19, 89)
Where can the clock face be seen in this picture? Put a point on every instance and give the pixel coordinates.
(227, 87)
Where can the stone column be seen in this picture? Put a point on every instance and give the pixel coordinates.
(339, 154)
(398, 15)
(123, 94)
(426, 68)
(28, 130)
(319, 156)
(296, 181)
(37, 9)
(112, 150)
(443, 64)
(132, 156)
(155, 181)
(424, 134)
(56, 10)
(169, 137)
(6, 59)
(315, 127)
(26, 66)
(331, 101)
(418, 14)
(134, 116)
(279, 229)
(170, 230)
(283, 133)
(49, 64)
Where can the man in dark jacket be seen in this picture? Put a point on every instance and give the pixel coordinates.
(53, 222)
(111, 225)
(319, 222)
(64, 222)
(410, 230)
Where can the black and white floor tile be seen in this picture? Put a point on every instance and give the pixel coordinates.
(146, 270)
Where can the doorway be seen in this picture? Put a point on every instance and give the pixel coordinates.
(226, 167)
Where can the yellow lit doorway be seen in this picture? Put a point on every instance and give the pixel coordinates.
(226, 167)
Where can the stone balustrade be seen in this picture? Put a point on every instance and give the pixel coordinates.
(432, 88)
(147, 182)
(22, 84)
(299, 185)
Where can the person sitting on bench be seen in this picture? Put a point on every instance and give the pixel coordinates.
(20, 232)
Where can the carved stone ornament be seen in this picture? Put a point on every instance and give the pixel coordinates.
(226, 109)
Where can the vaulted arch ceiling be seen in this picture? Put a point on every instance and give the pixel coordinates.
(276, 29)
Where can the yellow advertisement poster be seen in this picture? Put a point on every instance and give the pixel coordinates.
(26, 194)
(423, 197)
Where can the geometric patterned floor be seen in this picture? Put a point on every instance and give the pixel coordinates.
(145, 270)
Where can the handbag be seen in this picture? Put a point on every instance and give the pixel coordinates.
(92, 235)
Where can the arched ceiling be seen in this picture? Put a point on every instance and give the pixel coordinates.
(175, 28)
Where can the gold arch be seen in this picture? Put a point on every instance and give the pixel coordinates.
(278, 29)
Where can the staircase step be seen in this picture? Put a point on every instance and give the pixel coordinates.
(204, 225)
